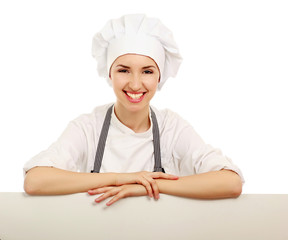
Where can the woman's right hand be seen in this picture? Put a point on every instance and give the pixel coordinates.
(144, 178)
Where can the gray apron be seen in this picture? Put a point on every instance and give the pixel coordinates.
(103, 137)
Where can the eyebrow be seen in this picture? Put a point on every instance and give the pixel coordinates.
(151, 66)
(121, 65)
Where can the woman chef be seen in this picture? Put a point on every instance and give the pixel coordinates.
(130, 148)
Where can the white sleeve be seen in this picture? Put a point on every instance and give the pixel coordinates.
(196, 157)
(67, 153)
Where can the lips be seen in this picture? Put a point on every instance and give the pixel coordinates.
(135, 97)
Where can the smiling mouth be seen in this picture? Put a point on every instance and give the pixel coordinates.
(135, 97)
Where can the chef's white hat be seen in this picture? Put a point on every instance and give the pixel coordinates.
(136, 34)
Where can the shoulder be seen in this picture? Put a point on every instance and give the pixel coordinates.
(94, 118)
(168, 119)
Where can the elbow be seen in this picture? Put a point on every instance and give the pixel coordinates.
(29, 187)
(236, 186)
(31, 184)
(29, 190)
(236, 191)
(233, 184)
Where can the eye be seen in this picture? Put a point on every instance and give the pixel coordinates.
(148, 72)
(123, 70)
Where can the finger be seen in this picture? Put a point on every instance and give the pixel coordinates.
(154, 186)
(155, 189)
(98, 190)
(92, 191)
(163, 175)
(106, 195)
(115, 199)
(147, 185)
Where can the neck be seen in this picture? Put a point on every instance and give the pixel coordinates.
(138, 121)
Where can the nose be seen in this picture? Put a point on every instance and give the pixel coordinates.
(135, 82)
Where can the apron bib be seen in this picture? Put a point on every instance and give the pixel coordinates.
(103, 137)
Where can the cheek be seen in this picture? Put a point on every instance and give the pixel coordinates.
(155, 85)
(151, 86)
(152, 83)
(118, 83)
(117, 80)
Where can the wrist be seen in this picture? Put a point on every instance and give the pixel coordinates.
(115, 179)
(166, 185)
(109, 179)
(119, 179)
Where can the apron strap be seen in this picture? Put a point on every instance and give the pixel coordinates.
(156, 144)
(102, 141)
(103, 138)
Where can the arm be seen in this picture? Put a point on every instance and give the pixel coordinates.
(210, 185)
(54, 181)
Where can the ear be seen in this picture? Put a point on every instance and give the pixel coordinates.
(110, 73)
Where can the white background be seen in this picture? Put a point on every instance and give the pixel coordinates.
(231, 86)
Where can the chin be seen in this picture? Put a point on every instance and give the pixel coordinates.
(136, 107)
(133, 107)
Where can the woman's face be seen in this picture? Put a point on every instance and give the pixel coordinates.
(135, 80)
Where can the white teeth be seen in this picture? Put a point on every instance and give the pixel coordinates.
(134, 96)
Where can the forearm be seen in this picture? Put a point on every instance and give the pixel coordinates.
(53, 181)
(211, 185)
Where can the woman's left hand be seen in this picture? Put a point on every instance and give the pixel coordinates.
(118, 192)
